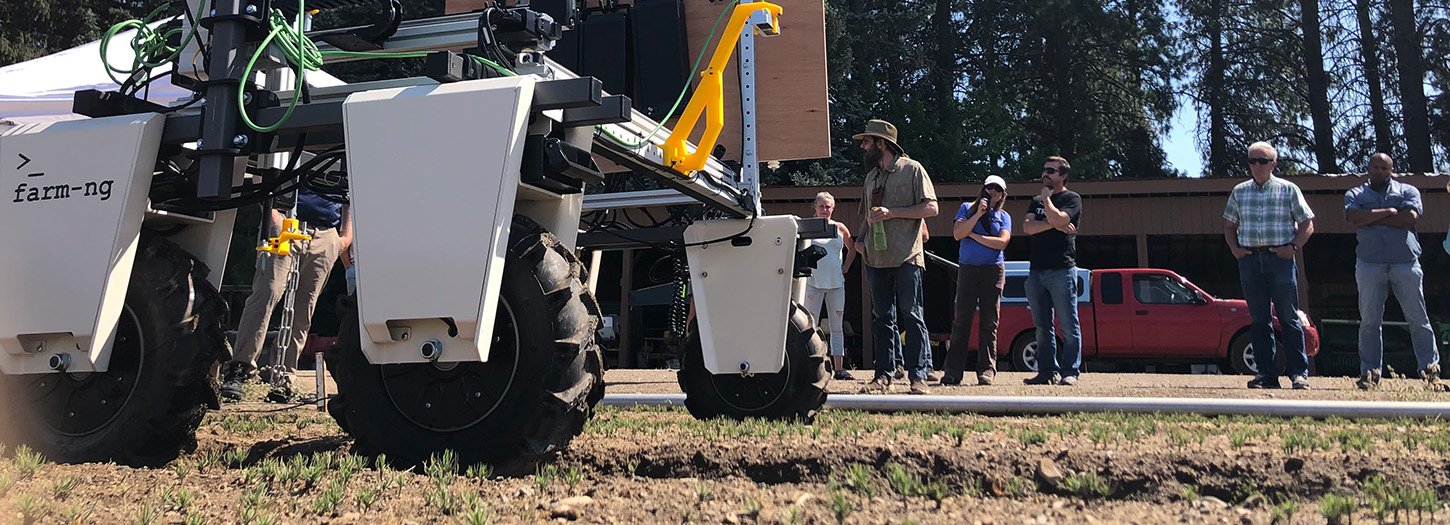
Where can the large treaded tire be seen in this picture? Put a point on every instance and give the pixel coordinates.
(796, 392)
(544, 365)
(162, 377)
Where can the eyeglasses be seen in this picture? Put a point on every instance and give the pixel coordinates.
(1051, 170)
(994, 188)
(1254, 160)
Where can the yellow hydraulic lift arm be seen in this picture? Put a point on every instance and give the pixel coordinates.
(710, 94)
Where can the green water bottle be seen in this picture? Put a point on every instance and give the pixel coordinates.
(878, 234)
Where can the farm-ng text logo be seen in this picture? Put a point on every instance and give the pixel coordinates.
(26, 192)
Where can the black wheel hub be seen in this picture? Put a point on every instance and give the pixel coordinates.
(82, 403)
(447, 397)
(753, 392)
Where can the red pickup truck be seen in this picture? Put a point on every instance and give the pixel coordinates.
(1137, 314)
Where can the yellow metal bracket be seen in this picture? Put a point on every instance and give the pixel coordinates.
(282, 244)
(709, 97)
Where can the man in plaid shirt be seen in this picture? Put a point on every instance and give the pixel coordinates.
(1266, 223)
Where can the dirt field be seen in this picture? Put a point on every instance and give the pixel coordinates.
(257, 464)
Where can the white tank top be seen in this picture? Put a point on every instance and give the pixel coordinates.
(827, 274)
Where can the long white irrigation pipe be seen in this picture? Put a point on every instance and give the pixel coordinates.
(1060, 405)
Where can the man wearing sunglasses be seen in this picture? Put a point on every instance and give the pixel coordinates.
(1266, 222)
(1052, 222)
(898, 196)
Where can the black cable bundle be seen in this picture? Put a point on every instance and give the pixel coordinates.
(680, 301)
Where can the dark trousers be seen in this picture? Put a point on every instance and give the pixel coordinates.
(979, 289)
(1272, 280)
(896, 296)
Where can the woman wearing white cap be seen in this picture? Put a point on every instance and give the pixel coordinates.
(983, 230)
(827, 284)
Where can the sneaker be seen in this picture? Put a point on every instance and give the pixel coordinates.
(1300, 382)
(1369, 381)
(882, 385)
(951, 379)
(842, 375)
(1259, 382)
(918, 387)
(934, 375)
(1042, 380)
(900, 373)
(235, 375)
(986, 378)
(1068, 381)
(283, 390)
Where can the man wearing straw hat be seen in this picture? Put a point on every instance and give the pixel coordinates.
(898, 195)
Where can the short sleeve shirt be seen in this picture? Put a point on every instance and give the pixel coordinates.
(991, 224)
(1379, 243)
(1267, 215)
(903, 185)
(1053, 249)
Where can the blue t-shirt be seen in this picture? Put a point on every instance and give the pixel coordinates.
(317, 211)
(991, 224)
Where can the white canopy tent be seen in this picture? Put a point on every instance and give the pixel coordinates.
(41, 90)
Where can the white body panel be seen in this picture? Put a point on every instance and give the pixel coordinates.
(743, 293)
(69, 245)
(434, 171)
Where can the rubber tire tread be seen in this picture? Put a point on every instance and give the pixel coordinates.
(558, 397)
(805, 392)
(180, 316)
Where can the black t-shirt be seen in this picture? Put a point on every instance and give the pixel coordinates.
(1053, 249)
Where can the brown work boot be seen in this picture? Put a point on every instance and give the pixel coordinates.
(880, 385)
(918, 387)
(900, 373)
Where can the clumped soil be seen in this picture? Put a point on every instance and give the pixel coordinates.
(257, 464)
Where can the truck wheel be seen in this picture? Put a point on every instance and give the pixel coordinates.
(1025, 354)
(1241, 354)
(797, 391)
(539, 387)
(162, 377)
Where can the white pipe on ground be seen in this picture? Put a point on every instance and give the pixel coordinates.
(1136, 405)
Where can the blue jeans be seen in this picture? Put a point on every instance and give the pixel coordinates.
(1375, 282)
(1268, 278)
(898, 359)
(1055, 291)
(897, 290)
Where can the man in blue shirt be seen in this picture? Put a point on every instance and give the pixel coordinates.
(323, 218)
(1385, 212)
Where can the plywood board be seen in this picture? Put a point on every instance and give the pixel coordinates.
(791, 108)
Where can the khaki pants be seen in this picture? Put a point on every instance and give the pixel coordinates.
(269, 284)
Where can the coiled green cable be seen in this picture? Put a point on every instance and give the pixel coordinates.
(296, 48)
(693, 72)
(149, 45)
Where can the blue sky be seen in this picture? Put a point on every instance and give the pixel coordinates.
(1178, 145)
